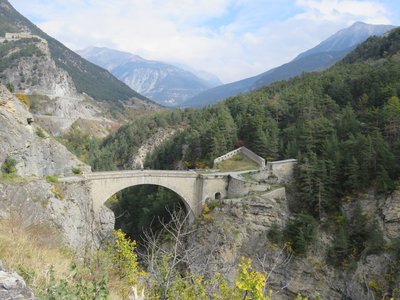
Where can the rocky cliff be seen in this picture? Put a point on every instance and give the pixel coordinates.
(239, 227)
(62, 87)
(30, 198)
(35, 152)
(27, 64)
(66, 209)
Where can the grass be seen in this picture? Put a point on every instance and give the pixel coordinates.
(237, 163)
(31, 251)
(35, 253)
(6, 178)
(57, 192)
(52, 179)
(248, 177)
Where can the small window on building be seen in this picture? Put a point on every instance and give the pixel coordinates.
(218, 196)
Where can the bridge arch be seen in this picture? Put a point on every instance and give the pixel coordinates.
(187, 185)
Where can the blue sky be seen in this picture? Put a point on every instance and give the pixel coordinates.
(232, 39)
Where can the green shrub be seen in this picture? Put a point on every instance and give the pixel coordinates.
(52, 179)
(10, 87)
(301, 233)
(40, 133)
(81, 285)
(26, 273)
(275, 234)
(76, 170)
(8, 166)
(214, 203)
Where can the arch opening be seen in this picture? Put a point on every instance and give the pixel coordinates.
(144, 207)
(217, 196)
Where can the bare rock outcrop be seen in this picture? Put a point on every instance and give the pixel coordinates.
(12, 286)
(239, 227)
(66, 209)
(35, 152)
(150, 145)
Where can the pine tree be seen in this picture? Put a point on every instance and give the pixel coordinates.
(391, 113)
(352, 173)
(260, 143)
(339, 252)
(272, 140)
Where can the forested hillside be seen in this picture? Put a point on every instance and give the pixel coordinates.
(342, 125)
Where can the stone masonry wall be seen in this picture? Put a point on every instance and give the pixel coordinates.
(246, 152)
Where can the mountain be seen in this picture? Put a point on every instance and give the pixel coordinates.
(165, 83)
(347, 38)
(60, 86)
(322, 56)
(208, 77)
(87, 77)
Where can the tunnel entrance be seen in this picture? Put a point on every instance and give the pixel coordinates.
(142, 208)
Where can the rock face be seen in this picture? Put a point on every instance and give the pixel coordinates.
(66, 209)
(51, 90)
(12, 286)
(34, 151)
(62, 86)
(239, 227)
(150, 145)
(37, 71)
(391, 215)
(33, 201)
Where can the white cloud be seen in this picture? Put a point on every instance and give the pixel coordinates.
(233, 39)
(340, 10)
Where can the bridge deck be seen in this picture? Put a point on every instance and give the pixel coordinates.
(130, 173)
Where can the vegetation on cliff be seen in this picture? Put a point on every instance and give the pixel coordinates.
(115, 272)
(342, 125)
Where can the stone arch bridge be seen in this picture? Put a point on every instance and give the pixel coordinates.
(194, 188)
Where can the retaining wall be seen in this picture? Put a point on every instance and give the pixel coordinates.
(246, 152)
(239, 187)
(283, 169)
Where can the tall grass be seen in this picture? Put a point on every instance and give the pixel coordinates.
(32, 251)
(36, 253)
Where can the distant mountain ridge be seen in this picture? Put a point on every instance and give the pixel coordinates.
(164, 83)
(348, 38)
(318, 58)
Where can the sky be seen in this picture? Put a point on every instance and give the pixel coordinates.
(233, 39)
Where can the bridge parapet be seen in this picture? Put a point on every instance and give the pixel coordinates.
(192, 187)
(140, 173)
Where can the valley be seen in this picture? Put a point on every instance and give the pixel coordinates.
(283, 186)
